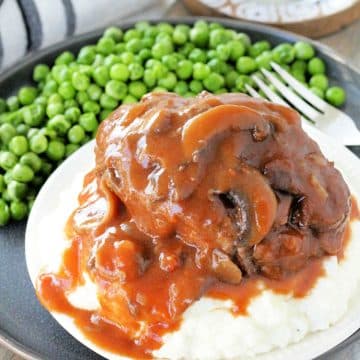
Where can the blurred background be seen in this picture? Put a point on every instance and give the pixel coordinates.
(28, 25)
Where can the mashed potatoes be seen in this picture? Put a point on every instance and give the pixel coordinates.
(209, 330)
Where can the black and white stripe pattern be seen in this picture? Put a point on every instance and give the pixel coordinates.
(28, 25)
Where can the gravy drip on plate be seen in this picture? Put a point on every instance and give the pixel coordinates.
(217, 196)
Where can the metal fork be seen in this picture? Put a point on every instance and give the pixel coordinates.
(324, 116)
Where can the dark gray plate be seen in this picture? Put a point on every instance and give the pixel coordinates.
(25, 326)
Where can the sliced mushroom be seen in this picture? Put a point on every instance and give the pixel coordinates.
(250, 203)
(198, 131)
(225, 269)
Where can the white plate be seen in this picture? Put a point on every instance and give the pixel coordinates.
(44, 248)
(279, 11)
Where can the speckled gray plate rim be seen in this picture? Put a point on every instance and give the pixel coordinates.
(20, 312)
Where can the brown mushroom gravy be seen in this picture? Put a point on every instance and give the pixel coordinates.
(217, 195)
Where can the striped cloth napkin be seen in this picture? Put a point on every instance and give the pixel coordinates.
(28, 25)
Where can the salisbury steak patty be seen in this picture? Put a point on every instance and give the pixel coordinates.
(235, 178)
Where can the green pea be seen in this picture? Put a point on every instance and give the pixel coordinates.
(316, 66)
(298, 75)
(199, 36)
(335, 95)
(34, 114)
(180, 35)
(80, 81)
(69, 103)
(88, 122)
(105, 45)
(61, 73)
(111, 60)
(217, 65)
(134, 45)
(170, 61)
(101, 75)
(223, 52)
(230, 78)
(114, 32)
(94, 92)
(18, 210)
(55, 150)
(198, 55)
(201, 71)
(214, 82)
(217, 37)
(7, 132)
(244, 38)
(12, 103)
(72, 114)
(4, 213)
(165, 27)
(76, 134)
(27, 95)
(32, 160)
(264, 59)
(8, 178)
(17, 190)
(40, 72)
(127, 57)
(149, 77)
(319, 81)
(86, 55)
(181, 88)
(137, 89)
(108, 102)
(18, 145)
(22, 129)
(7, 160)
(258, 48)
(70, 149)
(132, 34)
(59, 124)
(129, 99)
(22, 173)
(303, 50)
(31, 132)
(196, 86)
(184, 69)
(145, 54)
(54, 109)
(38, 143)
(50, 87)
(82, 97)
(2, 184)
(65, 58)
(66, 90)
(119, 72)
(136, 71)
(161, 49)
(116, 89)
(237, 49)
(284, 53)
(169, 81)
(50, 133)
(246, 65)
(105, 113)
(299, 66)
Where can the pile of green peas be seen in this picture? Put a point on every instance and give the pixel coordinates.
(45, 123)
